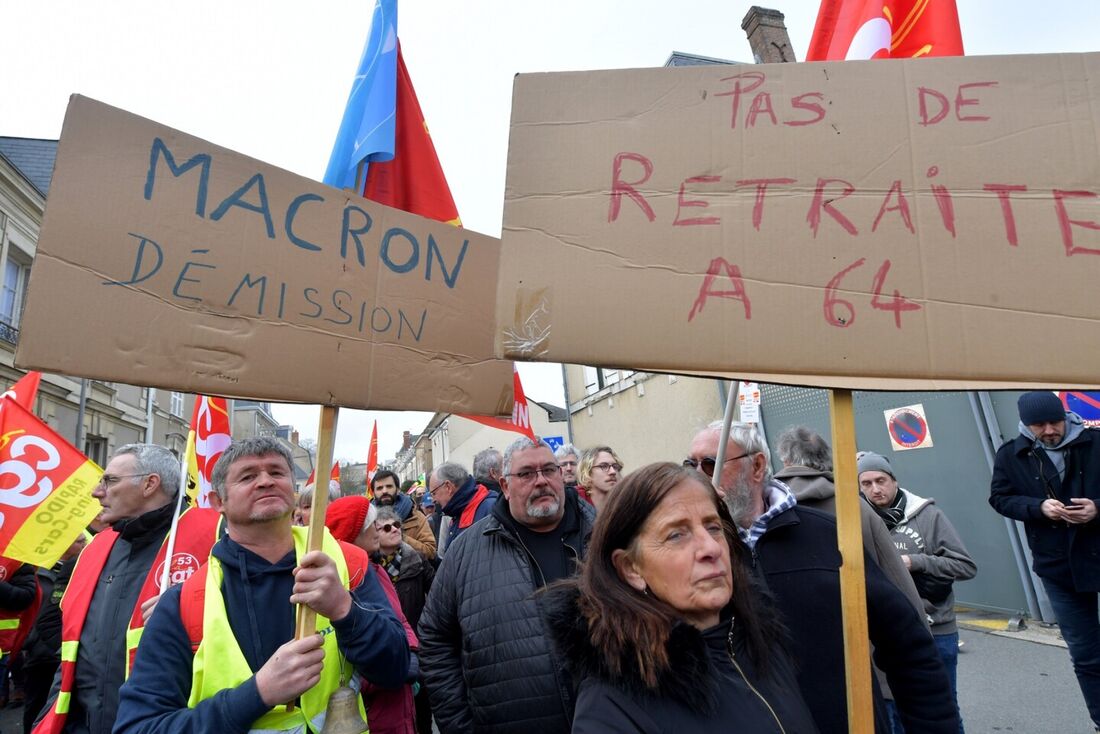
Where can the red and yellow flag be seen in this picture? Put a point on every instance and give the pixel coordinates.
(209, 437)
(45, 489)
(521, 413)
(883, 29)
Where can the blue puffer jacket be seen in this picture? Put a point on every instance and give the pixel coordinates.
(1024, 476)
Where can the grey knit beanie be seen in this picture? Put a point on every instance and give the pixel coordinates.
(870, 461)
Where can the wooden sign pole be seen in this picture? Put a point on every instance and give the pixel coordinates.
(326, 436)
(306, 624)
(853, 593)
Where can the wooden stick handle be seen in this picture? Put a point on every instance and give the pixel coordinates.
(853, 584)
(306, 623)
(326, 435)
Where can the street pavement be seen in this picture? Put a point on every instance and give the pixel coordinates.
(1019, 682)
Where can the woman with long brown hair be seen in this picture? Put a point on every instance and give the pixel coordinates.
(664, 630)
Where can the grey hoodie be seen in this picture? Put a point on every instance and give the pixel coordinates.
(1074, 427)
(934, 548)
(814, 488)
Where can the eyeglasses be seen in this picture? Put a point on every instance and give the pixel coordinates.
(388, 527)
(568, 463)
(608, 467)
(110, 480)
(706, 464)
(549, 472)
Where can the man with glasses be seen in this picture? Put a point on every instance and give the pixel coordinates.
(486, 659)
(117, 581)
(461, 498)
(794, 549)
(568, 458)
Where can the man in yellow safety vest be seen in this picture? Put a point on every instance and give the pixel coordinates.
(218, 654)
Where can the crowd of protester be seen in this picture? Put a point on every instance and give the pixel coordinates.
(533, 591)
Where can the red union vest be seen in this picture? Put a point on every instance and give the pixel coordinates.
(16, 625)
(198, 528)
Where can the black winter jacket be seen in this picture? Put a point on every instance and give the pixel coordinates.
(711, 685)
(1023, 477)
(800, 562)
(486, 659)
(20, 591)
(43, 644)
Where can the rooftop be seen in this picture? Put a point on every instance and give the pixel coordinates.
(33, 158)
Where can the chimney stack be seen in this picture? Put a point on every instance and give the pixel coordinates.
(767, 36)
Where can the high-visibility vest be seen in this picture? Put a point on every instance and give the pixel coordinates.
(219, 663)
(197, 531)
(15, 625)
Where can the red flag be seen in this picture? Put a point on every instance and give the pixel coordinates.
(413, 180)
(372, 456)
(46, 491)
(880, 29)
(521, 413)
(334, 474)
(24, 391)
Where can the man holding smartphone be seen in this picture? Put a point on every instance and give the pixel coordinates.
(1049, 478)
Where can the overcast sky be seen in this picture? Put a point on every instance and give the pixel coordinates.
(270, 79)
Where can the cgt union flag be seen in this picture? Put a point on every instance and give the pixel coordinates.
(45, 489)
(884, 29)
(208, 438)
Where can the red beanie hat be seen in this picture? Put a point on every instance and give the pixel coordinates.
(346, 517)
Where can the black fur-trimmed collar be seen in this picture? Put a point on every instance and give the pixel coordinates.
(690, 679)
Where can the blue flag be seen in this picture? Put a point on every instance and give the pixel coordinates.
(367, 130)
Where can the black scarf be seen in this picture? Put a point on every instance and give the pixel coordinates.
(895, 513)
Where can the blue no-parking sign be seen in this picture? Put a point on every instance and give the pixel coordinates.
(556, 442)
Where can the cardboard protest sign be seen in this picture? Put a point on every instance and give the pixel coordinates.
(167, 261)
(908, 224)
